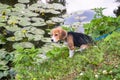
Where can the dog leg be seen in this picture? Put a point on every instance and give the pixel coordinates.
(71, 53)
(70, 45)
(83, 47)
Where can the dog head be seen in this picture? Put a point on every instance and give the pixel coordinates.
(58, 34)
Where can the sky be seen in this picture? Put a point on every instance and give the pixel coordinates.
(78, 5)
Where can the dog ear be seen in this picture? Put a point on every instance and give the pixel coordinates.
(63, 34)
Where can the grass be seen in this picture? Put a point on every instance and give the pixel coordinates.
(96, 63)
(100, 62)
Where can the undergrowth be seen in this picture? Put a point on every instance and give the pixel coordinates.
(100, 62)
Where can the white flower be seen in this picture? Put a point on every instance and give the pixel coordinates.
(105, 72)
(110, 72)
(96, 76)
(81, 74)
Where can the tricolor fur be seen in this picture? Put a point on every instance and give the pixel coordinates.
(73, 39)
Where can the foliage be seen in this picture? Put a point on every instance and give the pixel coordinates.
(98, 12)
(58, 52)
(102, 25)
(68, 28)
(99, 62)
(96, 63)
(23, 25)
(5, 59)
(25, 60)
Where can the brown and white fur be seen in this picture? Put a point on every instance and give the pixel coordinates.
(59, 34)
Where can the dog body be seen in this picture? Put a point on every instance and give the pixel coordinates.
(73, 39)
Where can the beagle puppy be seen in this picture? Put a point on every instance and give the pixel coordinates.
(73, 39)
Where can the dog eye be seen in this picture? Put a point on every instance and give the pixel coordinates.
(56, 34)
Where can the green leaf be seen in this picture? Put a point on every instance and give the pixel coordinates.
(23, 45)
(3, 6)
(15, 13)
(52, 11)
(46, 39)
(24, 22)
(57, 19)
(12, 28)
(2, 53)
(37, 19)
(38, 23)
(19, 34)
(3, 74)
(13, 20)
(3, 18)
(36, 31)
(19, 5)
(1, 42)
(38, 37)
(24, 1)
(29, 13)
(3, 65)
(50, 22)
(57, 6)
(14, 38)
(2, 24)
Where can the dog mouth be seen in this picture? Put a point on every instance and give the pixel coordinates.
(53, 40)
(59, 41)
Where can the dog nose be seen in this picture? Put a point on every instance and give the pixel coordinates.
(52, 40)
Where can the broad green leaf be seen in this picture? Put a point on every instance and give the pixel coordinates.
(29, 13)
(19, 5)
(14, 38)
(3, 18)
(1, 42)
(23, 45)
(13, 20)
(52, 11)
(12, 28)
(24, 1)
(3, 53)
(5, 12)
(46, 39)
(3, 74)
(37, 19)
(57, 19)
(19, 34)
(38, 23)
(4, 6)
(58, 6)
(49, 22)
(3, 65)
(24, 22)
(16, 13)
(2, 24)
(38, 37)
(36, 31)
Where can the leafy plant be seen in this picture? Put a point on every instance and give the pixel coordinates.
(102, 25)
(58, 52)
(26, 23)
(23, 25)
(99, 12)
(25, 60)
(5, 59)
